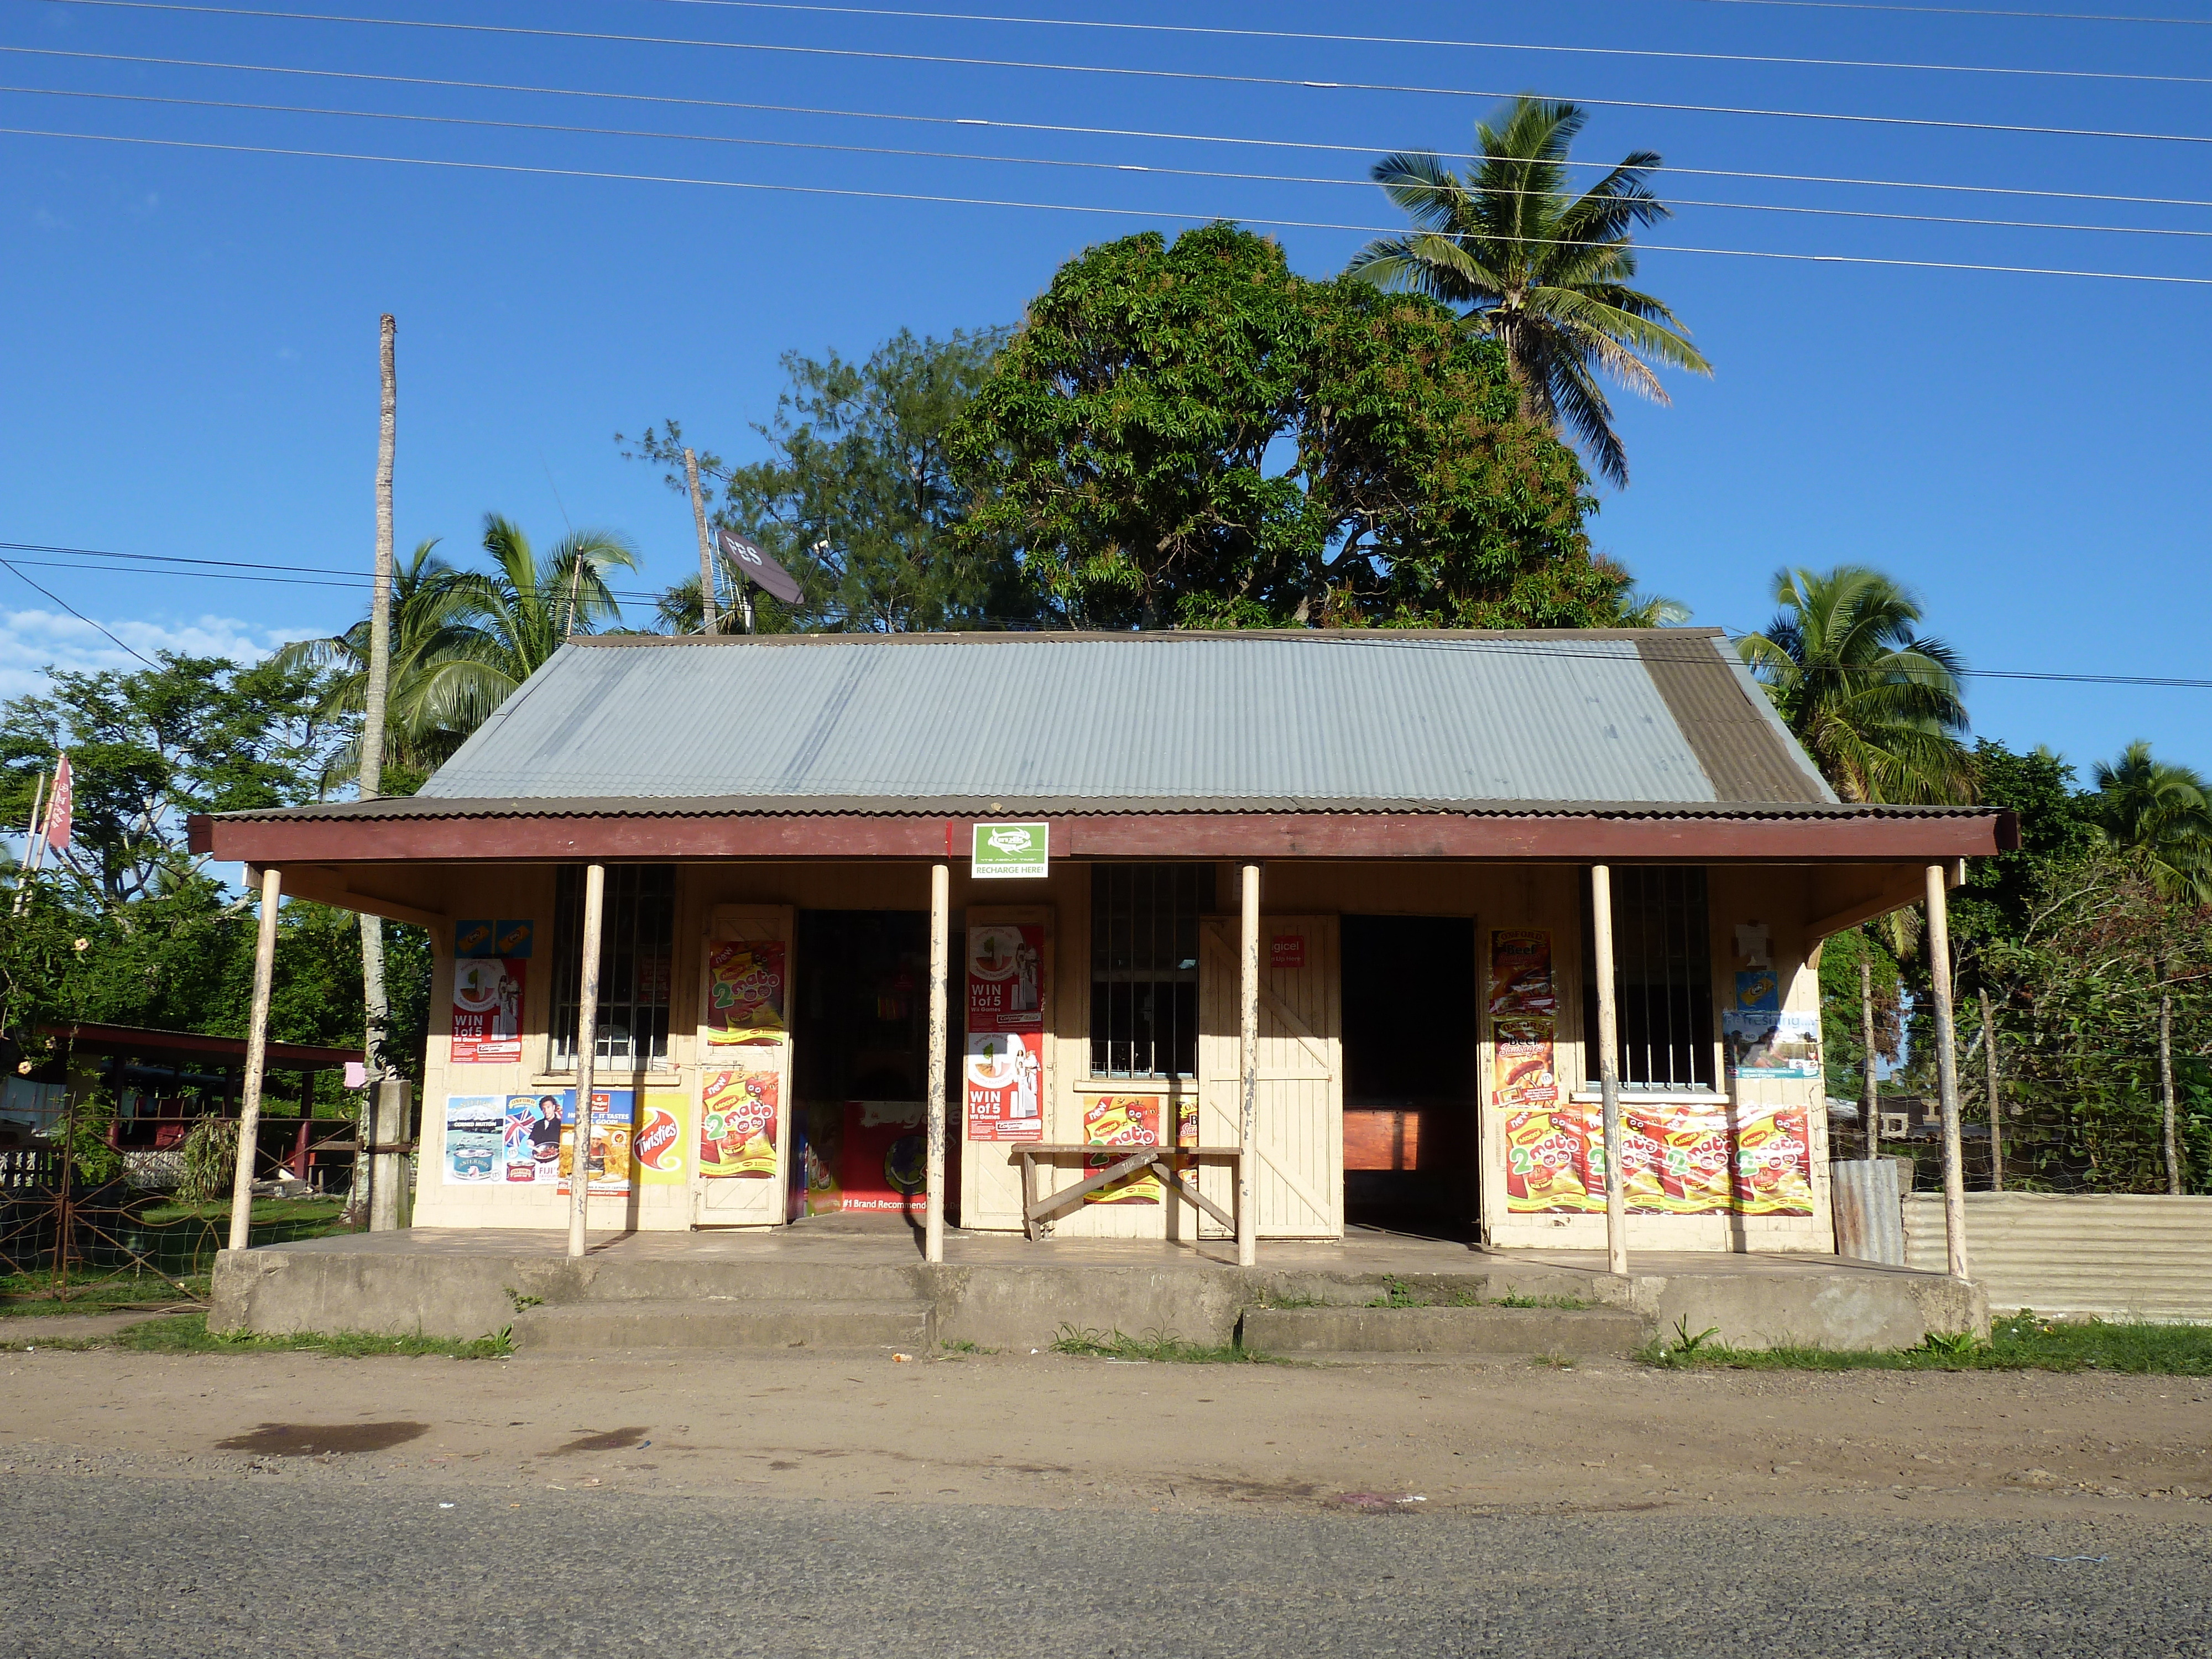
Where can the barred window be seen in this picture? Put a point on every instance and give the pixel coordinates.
(1662, 977)
(1144, 968)
(636, 937)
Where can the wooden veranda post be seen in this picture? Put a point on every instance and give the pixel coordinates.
(1248, 1071)
(2173, 1182)
(1997, 1102)
(1608, 1070)
(1947, 1072)
(706, 606)
(587, 1043)
(940, 972)
(257, 1052)
(1871, 1128)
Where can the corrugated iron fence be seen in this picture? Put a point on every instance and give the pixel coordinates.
(2117, 1255)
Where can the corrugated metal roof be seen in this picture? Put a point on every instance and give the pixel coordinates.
(1355, 721)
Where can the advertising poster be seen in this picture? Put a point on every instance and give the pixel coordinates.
(1761, 1038)
(745, 992)
(1005, 1074)
(1524, 1019)
(1003, 1077)
(532, 1134)
(612, 1167)
(1121, 1120)
(1677, 1159)
(661, 1136)
(737, 1114)
(1005, 977)
(474, 1137)
(487, 1010)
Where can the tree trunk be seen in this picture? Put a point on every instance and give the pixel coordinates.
(376, 1012)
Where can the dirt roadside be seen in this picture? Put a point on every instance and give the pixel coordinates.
(1048, 1429)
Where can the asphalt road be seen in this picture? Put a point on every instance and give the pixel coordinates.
(109, 1565)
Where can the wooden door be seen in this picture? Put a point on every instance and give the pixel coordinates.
(1298, 1179)
(744, 1075)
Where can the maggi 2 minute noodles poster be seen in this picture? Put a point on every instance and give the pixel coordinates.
(1678, 1160)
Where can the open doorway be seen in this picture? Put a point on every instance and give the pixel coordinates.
(859, 1033)
(1410, 1037)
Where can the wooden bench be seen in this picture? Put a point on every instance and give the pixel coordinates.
(1126, 1161)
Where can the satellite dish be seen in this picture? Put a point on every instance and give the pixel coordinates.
(747, 555)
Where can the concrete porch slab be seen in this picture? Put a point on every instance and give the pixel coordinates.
(1001, 1291)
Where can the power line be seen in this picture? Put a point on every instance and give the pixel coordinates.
(1382, 637)
(847, 193)
(1035, 160)
(74, 612)
(1964, 11)
(1430, 42)
(1210, 77)
(1061, 128)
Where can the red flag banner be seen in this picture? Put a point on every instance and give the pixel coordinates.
(61, 806)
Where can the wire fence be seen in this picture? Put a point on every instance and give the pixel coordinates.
(2075, 1116)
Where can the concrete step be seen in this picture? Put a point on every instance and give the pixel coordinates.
(595, 1327)
(1522, 1331)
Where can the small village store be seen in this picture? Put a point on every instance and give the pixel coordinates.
(1281, 931)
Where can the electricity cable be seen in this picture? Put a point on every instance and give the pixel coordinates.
(1031, 160)
(1965, 11)
(1057, 128)
(79, 615)
(1209, 77)
(1217, 32)
(1382, 638)
(850, 193)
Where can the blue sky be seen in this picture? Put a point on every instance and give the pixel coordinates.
(189, 356)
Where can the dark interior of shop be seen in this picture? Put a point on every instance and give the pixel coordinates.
(1410, 1037)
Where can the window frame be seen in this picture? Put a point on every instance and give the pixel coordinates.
(637, 896)
(1117, 975)
(1683, 991)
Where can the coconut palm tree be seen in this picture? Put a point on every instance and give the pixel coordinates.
(1875, 704)
(1541, 270)
(508, 620)
(424, 606)
(2159, 814)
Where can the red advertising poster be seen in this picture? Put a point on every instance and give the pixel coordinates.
(1524, 1019)
(1005, 977)
(885, 1161)
(745, 992)
(1287, 950)
(487, 1010)
(1006, 1092)
(1677, 1158)
(1004, 1075)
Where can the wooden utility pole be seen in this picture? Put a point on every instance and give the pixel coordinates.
(1947, 1072)
(1247, 1069)
(1870, 1098)
(1608, 1071)
(1997, 1102)
(2173, 1181)
(706, 550)
(587, 1055)
(376, 700)
(940, 976)
(257, 1056)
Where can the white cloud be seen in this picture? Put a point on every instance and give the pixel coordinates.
(30, 641)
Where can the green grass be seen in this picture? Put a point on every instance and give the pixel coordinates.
(267, 1212)
(188, 1333)
(1515, 1299)
(2021, 1343)
(1396, 1293)
(1158, 1347)
(89, 1291)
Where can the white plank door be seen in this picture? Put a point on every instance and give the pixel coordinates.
(1298, 1183)
(745, 1201)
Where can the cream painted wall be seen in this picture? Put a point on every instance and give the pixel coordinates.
(1495, 896)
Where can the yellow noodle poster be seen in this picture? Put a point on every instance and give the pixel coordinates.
(1121, 1120)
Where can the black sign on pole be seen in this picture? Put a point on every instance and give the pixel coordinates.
(764, 571)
